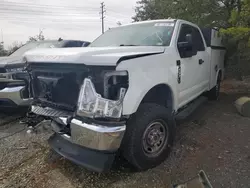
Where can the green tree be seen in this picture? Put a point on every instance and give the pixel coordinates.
(38, 37)
(237, 37)
(202, 12)
(15, 46)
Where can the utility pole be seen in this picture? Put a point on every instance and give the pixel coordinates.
(2, 37)
(102, 15)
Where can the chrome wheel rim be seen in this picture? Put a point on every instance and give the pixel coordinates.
(155, 138)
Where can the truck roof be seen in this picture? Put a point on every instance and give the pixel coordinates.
(159, 20)
(150, 21)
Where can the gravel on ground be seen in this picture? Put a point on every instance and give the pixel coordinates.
(214, 139)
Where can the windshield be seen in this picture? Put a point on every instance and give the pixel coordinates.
(146, 34)
(33, 45)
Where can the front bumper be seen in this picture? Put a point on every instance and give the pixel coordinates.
(98, 137)
(87, 143)
(11, 96)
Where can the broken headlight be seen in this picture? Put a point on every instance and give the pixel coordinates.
(91, 104)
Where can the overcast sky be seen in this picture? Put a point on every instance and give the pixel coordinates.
(68, 19)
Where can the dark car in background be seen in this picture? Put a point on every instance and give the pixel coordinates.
(14, 79)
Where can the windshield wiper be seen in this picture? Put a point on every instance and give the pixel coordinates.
(128, 45)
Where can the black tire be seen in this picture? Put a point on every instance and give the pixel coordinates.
(214, 93)
(133, 143)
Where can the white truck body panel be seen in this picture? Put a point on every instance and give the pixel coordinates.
(217, 65)
(217, 53)
(216, 39)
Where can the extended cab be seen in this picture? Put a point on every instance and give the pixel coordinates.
(122, 93)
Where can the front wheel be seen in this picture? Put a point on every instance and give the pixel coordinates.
(149, 136)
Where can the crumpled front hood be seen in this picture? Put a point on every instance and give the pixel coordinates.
(103, 56)
(10, 61)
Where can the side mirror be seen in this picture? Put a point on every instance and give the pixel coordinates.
(186, 48)
(189, 39)
(187, 44)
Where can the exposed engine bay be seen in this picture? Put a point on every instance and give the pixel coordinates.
(88, 90)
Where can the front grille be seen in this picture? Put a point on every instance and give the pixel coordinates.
(54, 105)
(63, 91)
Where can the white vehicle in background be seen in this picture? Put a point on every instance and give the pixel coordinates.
(123, 92)
(14, 79)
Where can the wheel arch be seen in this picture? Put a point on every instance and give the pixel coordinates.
(219, 74)
(161, 94)
(152, 96)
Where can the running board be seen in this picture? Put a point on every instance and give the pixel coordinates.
(184, 113)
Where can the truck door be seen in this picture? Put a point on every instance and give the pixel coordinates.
(191, 65)
(203, 60)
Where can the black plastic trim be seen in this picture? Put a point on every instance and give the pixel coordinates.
(218, 47)
(91, 159)
(43, 102)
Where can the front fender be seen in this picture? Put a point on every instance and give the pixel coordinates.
(134, 98)
(143, 76)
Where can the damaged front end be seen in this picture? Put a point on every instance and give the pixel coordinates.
(85, 106)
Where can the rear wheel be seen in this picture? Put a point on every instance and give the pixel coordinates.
(214, 93)
(149, 136)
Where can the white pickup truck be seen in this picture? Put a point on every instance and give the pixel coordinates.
(122, 93)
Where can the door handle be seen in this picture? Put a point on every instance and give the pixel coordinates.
(201, 61)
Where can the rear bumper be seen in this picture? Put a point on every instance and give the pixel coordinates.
(11, 97)
(90, 159)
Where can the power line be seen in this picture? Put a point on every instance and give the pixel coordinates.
(50, 20)
(80, 27)
(46, 6)
(51, 13)
(60, 9)
(43, 9)
(33, 12)
(55, 18)
(117, 13)
(102, 15)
